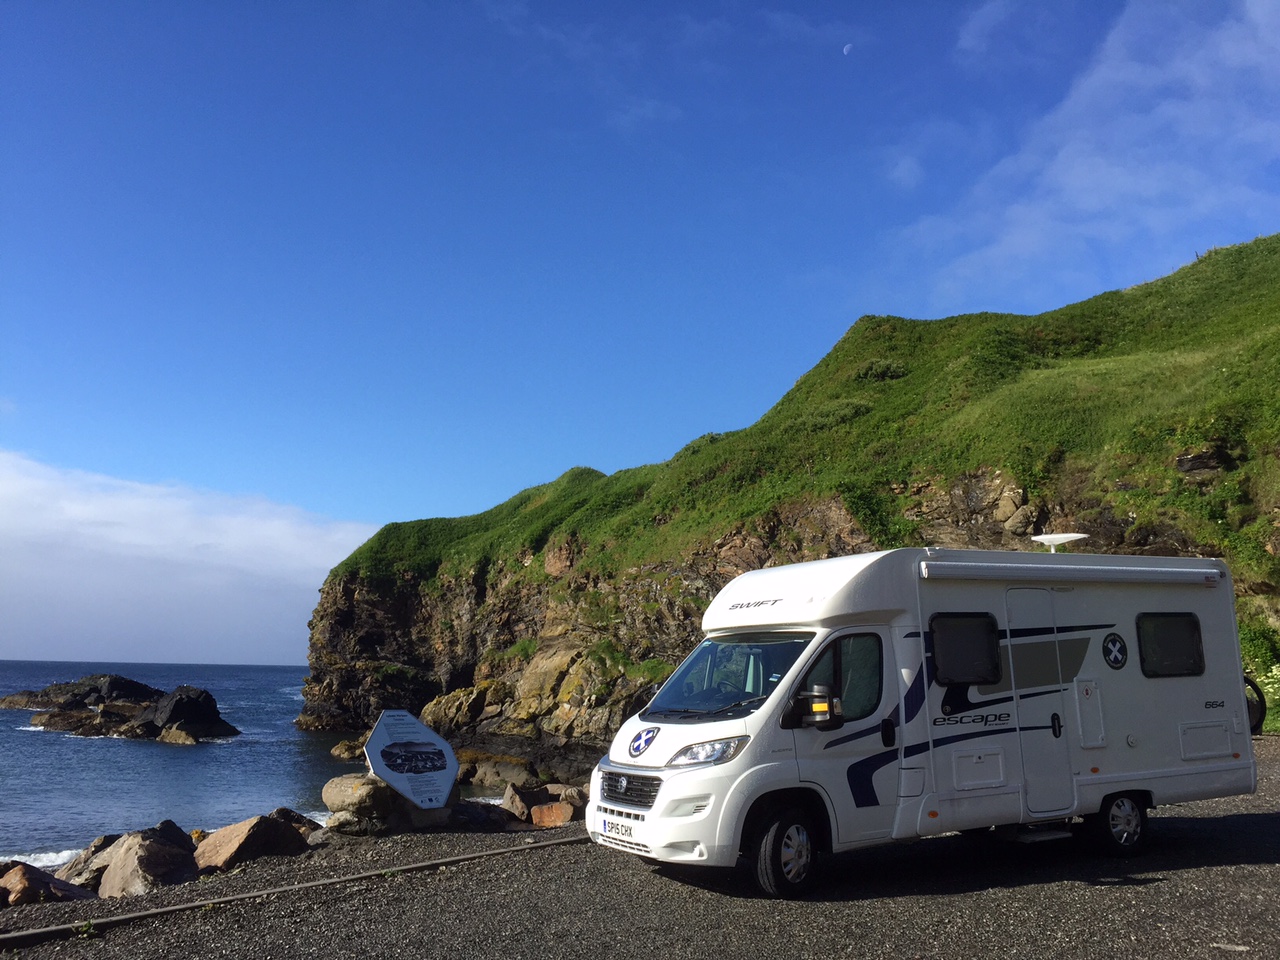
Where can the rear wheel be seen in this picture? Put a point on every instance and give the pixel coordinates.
(785, 855)
(1120, 828)
(1257, 705)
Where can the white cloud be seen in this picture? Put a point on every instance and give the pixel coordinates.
(906, 172)
(1165, 144)
(978, 28)
(97, 568)
(641, 111)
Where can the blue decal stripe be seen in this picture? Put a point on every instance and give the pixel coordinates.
(849, 738)
(961, 737)
(859, 776)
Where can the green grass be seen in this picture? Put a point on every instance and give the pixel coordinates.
(1104, 394)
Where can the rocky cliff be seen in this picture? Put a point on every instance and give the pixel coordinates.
(539, 658)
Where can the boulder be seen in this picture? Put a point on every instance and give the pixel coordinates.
(365, 805)
(248, 840)
(87, 868)
(191, 709)
(549, 805)
(147, 859)
(304, 825)
(554, 814)
(577, 796)
(352, 750)
(177, 734)
(514, 803)
(22, 883)
(495, 771)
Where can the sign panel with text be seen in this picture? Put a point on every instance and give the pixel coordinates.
(412, 759)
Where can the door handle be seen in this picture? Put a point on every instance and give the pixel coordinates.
(1056, 724)
(888, 734)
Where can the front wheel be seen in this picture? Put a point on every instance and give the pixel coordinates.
(1120, 828)
(785, 856)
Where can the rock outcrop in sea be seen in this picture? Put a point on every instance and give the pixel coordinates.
(108, 705)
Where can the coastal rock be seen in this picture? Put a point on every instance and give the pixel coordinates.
(144, 860)
(304, 825)
(549, 805)
(496, 771)
(93, 691)
(87, 868)
(554, 814)
(192, 710)
(108, 705)
(514, 803)
(21, 883)
(362, 804)
(248, 840)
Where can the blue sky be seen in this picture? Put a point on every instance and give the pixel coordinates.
(272, 275)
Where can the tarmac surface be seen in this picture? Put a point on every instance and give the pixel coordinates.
(1208, 887)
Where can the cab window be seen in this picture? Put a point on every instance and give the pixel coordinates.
(852, 668)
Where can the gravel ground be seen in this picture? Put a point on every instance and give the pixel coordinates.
(1209, 886)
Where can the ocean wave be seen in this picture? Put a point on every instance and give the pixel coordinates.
(45, 861)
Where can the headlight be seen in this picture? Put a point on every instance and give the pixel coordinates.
(714, 751)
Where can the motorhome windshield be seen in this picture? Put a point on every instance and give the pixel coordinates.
(727, 676)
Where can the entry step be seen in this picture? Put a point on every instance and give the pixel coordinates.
(1037, 834)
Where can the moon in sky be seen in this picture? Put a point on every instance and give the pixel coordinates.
(847, 48)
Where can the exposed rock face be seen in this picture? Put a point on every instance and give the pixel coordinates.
(107, 705)
(548, 670)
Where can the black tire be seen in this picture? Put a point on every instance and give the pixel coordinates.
(785, 855)
(1120, 827)
(1257, 705)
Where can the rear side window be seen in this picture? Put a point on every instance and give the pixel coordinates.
(1169, 645)
(966, 648)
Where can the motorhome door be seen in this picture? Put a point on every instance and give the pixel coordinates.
(1041, 704)
(852, 764)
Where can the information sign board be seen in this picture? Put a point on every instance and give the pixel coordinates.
(412, 759)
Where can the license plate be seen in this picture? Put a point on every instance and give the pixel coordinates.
(616, 829)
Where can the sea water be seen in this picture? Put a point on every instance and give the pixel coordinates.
(58, 792)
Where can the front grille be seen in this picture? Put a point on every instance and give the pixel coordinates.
(628, 845)
(627, 788)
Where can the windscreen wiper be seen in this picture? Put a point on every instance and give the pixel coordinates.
(741, 703)
(676, 712)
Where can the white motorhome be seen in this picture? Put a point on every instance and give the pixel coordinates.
(854, 701)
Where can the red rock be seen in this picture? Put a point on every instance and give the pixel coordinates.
(23, 884)
(555, 814)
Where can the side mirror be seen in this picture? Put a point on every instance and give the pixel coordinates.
(819, 709)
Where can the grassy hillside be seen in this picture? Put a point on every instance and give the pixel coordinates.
(1113, 388)
(1100, 398)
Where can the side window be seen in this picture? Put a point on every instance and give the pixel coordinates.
(966, 648)
(857, 660)
(863, 672)
(1169, 645)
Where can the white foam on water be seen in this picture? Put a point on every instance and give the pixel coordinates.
(45, 861)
